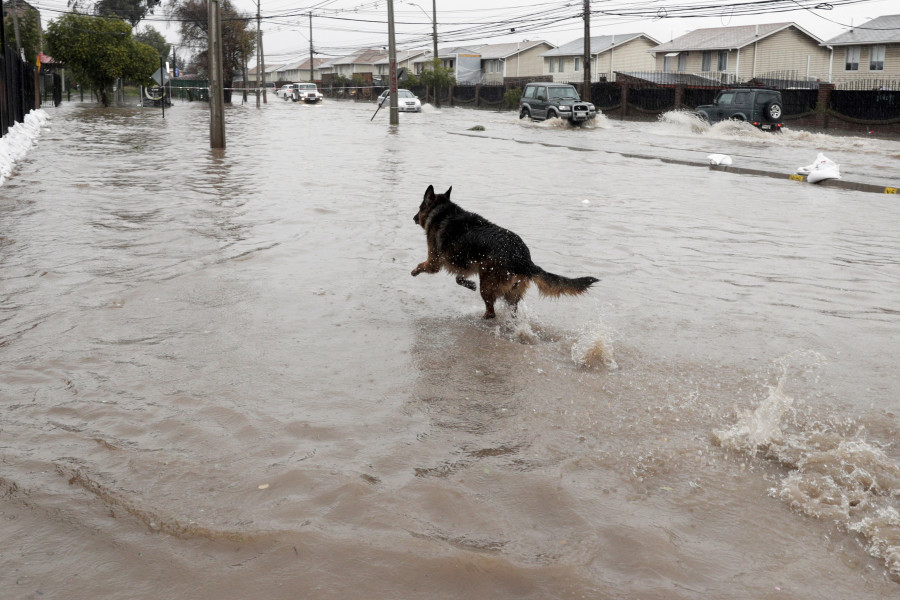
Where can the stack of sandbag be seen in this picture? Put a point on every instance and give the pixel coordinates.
(823, 168)
(719, 159)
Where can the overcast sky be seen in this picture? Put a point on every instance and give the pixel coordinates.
(340, 26)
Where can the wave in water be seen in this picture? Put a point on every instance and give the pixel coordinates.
(832, 471)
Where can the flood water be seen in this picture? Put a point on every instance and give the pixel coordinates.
(219, 380)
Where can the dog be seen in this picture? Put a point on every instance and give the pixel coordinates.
(465, 244)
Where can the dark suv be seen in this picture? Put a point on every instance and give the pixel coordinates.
(760, 107)
(547, 100)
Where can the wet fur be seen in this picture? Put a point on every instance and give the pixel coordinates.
(467, 244)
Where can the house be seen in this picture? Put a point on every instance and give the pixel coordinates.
(405, 60)
(870, 51)
(515, 59)
(609, 53)
(270, 71)
(741, 53)
(299, 71)
(465, 62)
(360, 63)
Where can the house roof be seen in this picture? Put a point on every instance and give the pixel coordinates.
(726, 38)
(452, 52)
(493, 51)
(599, 44)
(881, 30)
(363, 57)
(269, 68)
(402, 55)
(303, 64)
(659, 78)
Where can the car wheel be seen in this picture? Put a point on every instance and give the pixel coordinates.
(524, 113)
(552, 114)
(774, 111)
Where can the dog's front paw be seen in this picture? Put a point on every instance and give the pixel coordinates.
(417, 270)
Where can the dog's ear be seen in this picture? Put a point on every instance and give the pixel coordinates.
(429, 193)
(447, 193)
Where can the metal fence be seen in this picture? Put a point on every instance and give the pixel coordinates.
(17, 89)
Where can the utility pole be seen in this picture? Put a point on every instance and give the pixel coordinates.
(434, 25)
(586, 93)
(216, 87)
(392, 60)
(260, 57)
(312, 78)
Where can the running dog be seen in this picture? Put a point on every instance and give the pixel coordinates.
(465, 243)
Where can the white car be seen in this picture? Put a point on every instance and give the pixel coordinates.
(308, 92)
(406, 101)
(284, 91)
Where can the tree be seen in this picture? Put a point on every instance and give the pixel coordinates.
(98, 51)
(438, 77)
(29, 33)
(238, 40)
(153, 38)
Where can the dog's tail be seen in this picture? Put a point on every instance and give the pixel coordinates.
(555, 286)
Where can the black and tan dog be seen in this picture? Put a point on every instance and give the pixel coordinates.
(465, 243)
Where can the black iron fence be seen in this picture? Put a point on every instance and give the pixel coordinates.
(17, 89)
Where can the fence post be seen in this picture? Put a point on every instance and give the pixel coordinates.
(624, 108)
(477, 95)
(823, 101)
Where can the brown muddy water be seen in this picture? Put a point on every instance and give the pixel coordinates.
(220, 381)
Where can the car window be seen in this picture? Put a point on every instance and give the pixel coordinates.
(726, 98)
(742, 98)
(405, 94)
(529, 91)
(563, 92)
(541, 92)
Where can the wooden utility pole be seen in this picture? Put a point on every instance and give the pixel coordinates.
(259, 80)
(392, 59)
(262, 55)
(216, 87)
(15, 16)
(312, 77)
(586, 93)
(434, 25)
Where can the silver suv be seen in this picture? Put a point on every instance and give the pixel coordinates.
(546, 100)
(760, 107)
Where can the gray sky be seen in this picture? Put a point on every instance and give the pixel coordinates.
(339, 26)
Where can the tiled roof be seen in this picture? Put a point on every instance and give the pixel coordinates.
(881, 30)
(599, 44)
(726, 38)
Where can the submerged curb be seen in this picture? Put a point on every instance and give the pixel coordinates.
(835, 183)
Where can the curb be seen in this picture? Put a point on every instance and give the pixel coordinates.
(835, 183)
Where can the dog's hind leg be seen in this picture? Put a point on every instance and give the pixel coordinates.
(489, 295)
(466, 283)
(515, 293)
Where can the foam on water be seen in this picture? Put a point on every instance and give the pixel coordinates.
(833, 472)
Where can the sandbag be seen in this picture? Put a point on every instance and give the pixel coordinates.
(823, 168)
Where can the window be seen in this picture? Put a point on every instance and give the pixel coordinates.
(669, 61)
(852, 62)
(577, 64)
(706, 65)
(723, 60)
(562, 64)
(682, 62)
(876, 58)
(552, 65)
(725, 99)
(742, 98)
(529, 91)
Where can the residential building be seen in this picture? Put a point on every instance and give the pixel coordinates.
(870, 51)
(741, 53)
(515, 59)
(360, 63)
(299, 71)
(465, 62)
(405, 59)
(609, 53)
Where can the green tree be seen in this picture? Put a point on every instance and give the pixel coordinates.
(238, 40)
(29, 33)
(98, 51)
(153, 38)
(438, 77)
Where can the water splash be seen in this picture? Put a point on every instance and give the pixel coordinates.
(683, 119)
(832, 471)
(594, 348)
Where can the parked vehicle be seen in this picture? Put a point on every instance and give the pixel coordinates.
(760, 107)
(546, 100)
(406, 101)
(307, 92)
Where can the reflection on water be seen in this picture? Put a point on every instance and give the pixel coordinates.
(217, 366)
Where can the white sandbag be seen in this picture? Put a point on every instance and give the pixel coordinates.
(719, 159)
(824, 168)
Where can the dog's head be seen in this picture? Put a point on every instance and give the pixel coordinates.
(429, 202)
